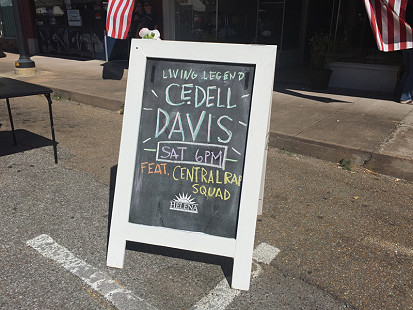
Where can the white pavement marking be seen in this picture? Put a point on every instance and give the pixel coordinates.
(100, 282)
(222, 295)
(265, 253)
(218, 298)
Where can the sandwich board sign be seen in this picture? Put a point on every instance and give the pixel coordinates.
(192, 149)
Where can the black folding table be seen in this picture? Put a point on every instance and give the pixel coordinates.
(10, 88)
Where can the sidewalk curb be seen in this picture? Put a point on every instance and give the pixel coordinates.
(93, 100)
(380, 163)
(391, 165)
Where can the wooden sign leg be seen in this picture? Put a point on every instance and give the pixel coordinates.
(264, 168)
(241, 272)
(116, 251)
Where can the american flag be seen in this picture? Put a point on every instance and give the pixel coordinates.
(119, 18)
(387, 20)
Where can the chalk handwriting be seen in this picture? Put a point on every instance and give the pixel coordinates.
(153, 168)
(205, 75)
(198, 96)
(176, 127)
(208, 176)
(207, 182)
(212, 155)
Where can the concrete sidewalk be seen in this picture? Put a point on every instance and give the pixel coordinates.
(367, 128)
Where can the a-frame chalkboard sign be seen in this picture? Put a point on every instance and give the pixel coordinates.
(192, 149)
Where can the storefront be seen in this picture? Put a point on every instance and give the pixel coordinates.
(76, 28)
(290, 24)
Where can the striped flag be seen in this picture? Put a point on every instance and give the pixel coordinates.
(119, 18)
(387, 20)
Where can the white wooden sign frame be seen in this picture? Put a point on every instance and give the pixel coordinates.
(240, 248)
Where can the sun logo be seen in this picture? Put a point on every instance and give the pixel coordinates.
(185, 203)
(184, 198)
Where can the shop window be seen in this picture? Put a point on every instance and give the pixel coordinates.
(71, 28)
(270, 20)
(348, 27)
(215, 21)
(292, 24)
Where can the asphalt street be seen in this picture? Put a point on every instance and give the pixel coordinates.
(344, 237)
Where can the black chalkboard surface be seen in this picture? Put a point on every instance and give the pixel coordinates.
(191, 145)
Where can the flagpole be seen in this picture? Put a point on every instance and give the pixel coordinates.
(332, 17)
(338, 16)
(106, 45)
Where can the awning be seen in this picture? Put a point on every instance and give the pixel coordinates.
(387, 20)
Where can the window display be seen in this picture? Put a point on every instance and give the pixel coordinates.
(71, 28)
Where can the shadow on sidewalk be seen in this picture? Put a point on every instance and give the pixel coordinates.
(225, 263)
(113, 69)
(295, 89)
(26, 140)
(310, 97)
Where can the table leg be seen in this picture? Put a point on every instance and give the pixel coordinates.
(49, 100)
(11, 122)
